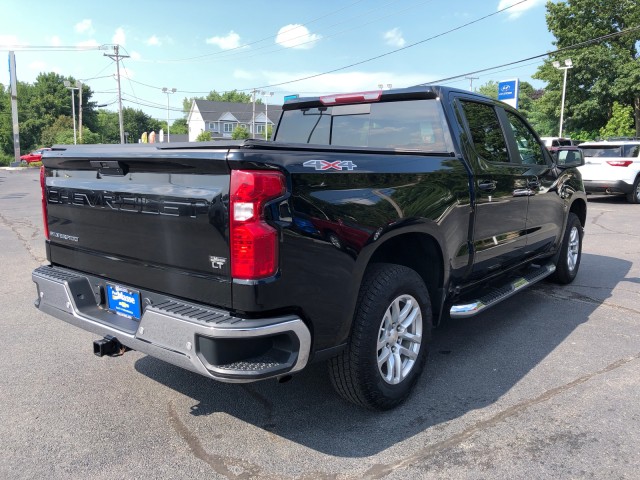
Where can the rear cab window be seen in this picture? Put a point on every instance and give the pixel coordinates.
(412, 124)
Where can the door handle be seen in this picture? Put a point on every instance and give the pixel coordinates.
(487, 185)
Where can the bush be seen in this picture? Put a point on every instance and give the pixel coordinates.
(5, 160)
(204, 137)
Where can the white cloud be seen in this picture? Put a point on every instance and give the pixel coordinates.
(9, 40)
(232, 40)
(296, 36)
(135, 56)
(243, 74)
(518, 10)
(55, 41)
(345, 82)
(394, 38)
(153, 41)
(85, 26)
(38, 65)
(119, 37)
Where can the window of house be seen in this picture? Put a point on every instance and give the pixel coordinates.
(486, 132)
(260, 128)
(229, 127)
(213, 126)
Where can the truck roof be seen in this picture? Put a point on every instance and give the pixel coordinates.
(410, 93)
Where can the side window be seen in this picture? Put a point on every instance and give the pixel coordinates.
(486, 132)
(631, 151)
(529, 149)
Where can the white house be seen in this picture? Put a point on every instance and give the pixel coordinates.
(221, 118)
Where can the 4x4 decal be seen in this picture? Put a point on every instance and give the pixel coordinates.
(324, 165)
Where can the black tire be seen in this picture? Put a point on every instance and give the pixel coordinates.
(570, 251)
(355, 372)
(335, 240)
(634, 195)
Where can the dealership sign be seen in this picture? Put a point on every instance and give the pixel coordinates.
(508, 91)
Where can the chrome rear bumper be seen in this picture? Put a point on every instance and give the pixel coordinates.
(199, 338)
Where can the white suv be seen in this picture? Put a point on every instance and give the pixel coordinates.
(612, 167)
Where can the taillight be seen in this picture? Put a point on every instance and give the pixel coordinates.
(619, 163)
(254, 243)
(45, 215)
(360, 97)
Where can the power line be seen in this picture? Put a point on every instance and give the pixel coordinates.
(366, 60)
(396, 50)
(554, 52)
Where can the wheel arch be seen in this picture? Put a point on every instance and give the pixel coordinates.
(579, 208)
(420, 252)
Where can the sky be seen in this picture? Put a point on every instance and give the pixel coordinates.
(197, 46)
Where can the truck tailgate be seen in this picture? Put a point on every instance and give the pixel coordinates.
(158, 223)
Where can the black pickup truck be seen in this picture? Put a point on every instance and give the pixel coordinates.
(369, 219)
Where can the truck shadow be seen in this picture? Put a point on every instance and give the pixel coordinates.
(472, 364)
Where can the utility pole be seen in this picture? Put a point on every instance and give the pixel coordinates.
(471, 79)
(253, 115)
(79, 84)
(14, 108)
(168, 91)
(266, 117)
(67, 84)
(116, 56)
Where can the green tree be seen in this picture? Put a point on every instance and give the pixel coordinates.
(240, 133)
(136, 122)
(180, 127)
(6, 131)
(59, 132)
(490, 89)
(232, 96)
(213, 96)
(108, 126)
(621, 122)
(603, 72)
(204, 137)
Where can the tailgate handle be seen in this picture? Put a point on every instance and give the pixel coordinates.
(111, 168)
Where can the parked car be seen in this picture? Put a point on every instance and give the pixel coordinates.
(554, 143)
(35, 156)
(612, 167)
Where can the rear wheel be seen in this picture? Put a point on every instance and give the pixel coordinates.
(634, 196)
(388, 345)
(570, 251)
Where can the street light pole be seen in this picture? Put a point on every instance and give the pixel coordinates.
(568, 64)
(168, 92)
(67, 84)
(266, 96)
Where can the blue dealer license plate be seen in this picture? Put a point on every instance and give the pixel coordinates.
(123, 301)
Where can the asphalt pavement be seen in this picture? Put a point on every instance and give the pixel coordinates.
(544, 385)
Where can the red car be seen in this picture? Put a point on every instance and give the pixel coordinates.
(34, 156)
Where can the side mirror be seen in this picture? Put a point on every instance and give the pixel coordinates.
(568, 157)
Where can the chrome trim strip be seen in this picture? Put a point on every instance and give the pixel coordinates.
(475, 307)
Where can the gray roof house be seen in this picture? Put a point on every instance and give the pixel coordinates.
(221, 118)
